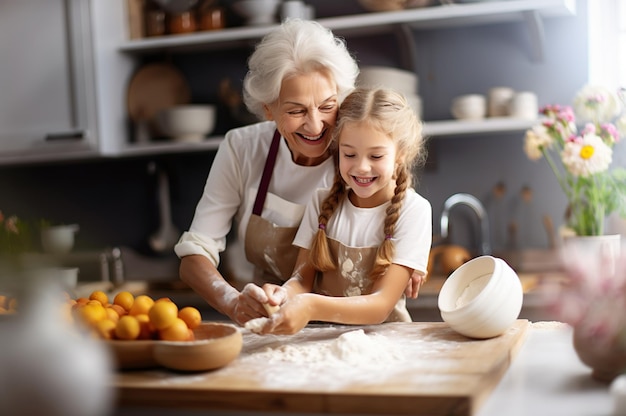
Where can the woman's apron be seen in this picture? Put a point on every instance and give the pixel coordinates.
(352, 277)
(268, 246)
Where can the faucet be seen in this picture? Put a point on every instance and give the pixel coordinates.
(472, 202)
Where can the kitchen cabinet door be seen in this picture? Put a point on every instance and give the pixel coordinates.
(46, 103)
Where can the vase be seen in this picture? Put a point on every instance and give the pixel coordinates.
(604, 247)
(606, 360)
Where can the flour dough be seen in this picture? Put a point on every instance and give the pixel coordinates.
(271, 309)
(256, 325)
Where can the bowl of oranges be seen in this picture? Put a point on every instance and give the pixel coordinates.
(143, 332)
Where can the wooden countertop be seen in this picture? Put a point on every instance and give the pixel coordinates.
(427, 369)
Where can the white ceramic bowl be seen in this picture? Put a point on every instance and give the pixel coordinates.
(482, 298)
(58, 239)
(187, 123)
(469, 107)
(257, 12)
(405, 82)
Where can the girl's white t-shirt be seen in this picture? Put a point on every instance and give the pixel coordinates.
(363, 227)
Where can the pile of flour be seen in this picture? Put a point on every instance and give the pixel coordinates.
(352, 348)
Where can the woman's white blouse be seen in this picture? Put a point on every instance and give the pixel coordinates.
(232, 185)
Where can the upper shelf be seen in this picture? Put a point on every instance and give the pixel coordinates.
(466, 14)
(432, 129)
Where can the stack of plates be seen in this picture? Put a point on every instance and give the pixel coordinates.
(401, 80)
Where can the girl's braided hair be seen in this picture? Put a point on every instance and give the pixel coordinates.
(388, 112)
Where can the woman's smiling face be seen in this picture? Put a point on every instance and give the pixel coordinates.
(305, 115)
(367, 160)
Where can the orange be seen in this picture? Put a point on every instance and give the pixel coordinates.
(178, 331)
(145, 329)
(105, 329)
(99, 296)
(163, 314)
(3, 301)
(142, 304)
(12, 304)
(124, 299)
(117, 308)
(127, 328)
(92, 313)
(112, 314)
(191, 316)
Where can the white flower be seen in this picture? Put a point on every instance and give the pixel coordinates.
(595, 104)
(586, 156)
(537, 139)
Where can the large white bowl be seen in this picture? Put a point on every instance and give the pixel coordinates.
(257, 12)
(401, 80)
(482, 298)
(187, 123)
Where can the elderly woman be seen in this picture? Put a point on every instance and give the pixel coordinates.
(264, 174)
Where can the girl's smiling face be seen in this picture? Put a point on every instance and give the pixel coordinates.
(367, 160)
(305, 115)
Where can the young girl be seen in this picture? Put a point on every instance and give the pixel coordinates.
(362, 239)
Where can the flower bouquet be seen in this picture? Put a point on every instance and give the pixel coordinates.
(580, 160)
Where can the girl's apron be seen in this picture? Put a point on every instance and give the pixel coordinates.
(268, 246)
(352, 277)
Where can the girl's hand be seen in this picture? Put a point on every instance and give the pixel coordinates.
(276, 295)
(415, 283)
(291, 318)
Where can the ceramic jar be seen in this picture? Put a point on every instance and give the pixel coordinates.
(605, 361)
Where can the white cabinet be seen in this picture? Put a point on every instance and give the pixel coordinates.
(46, 104)
(107, 59)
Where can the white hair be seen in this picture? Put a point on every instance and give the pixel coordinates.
(296, 47)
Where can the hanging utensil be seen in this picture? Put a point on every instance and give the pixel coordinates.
(167, 235)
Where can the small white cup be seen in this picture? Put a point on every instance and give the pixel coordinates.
(58, 239)
(294, 9)
(469, 107)
(67, 276)
(524, 105)
(499, 99)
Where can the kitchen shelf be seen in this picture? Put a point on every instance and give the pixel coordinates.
(432, 129)
(451, 128)
(435, 17)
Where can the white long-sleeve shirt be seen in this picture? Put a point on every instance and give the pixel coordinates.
(232, 185)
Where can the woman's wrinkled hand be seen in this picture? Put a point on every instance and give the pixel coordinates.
(249, 304)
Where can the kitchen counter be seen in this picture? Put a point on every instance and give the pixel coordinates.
(417, 368)
(546, 378)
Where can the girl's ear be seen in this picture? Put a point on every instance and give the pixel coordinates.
(268, 112)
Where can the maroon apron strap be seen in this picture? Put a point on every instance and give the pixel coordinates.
(267, 175)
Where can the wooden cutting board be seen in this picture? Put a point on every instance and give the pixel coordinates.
(417, 368)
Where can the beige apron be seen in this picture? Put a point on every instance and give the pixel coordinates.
(352, 277)
(268, 246)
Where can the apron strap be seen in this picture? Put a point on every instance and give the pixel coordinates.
(267, 175)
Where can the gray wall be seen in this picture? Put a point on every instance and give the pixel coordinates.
(114, 201)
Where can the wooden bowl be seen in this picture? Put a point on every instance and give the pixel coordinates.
(216, 345)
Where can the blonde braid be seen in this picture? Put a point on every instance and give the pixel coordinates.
(320, 256)
(386, 250)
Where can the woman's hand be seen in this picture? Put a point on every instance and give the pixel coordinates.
(249, 304)
(415, 283)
